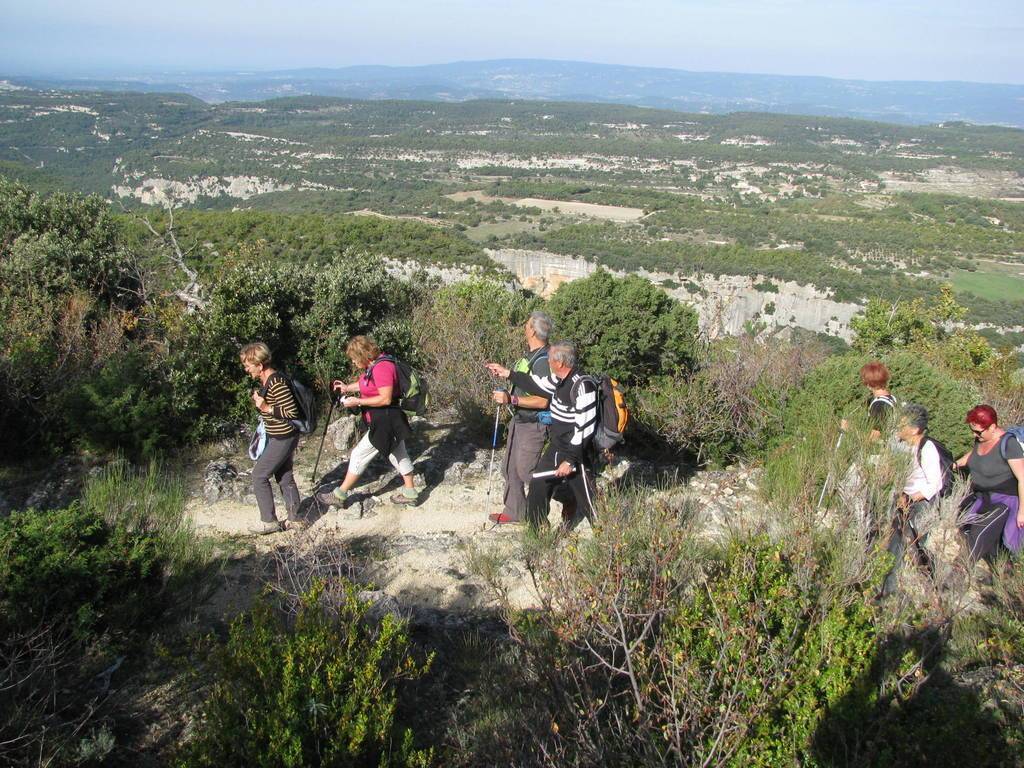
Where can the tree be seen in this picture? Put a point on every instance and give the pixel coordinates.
(625, 327)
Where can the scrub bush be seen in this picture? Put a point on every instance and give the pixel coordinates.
(305, 314)
(125, 406)
(732, 406)
(654, 648)
(463, 327)
(625, 327)
(81, 589)
(321, 691)
(834, 388)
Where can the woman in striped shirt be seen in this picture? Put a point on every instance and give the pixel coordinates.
(276, 403)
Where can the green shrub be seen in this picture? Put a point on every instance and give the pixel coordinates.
(625, 327)
(72, 563)
(67, 284)
(125, 406)
(322, 691)
(306, 314)
(345, 299)
(112, 563)
(78, 588)
(834, 388)
(930, 331)
(63, 242)
(655, 649)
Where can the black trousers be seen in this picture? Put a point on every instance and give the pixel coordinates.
(580, 484)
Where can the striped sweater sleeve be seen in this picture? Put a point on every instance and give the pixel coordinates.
(281, 399)
(542, 386)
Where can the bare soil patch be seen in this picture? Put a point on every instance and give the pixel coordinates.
(608, 212)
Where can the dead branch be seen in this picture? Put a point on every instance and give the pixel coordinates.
(192, 293)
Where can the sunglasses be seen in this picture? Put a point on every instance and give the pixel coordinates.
(978, 432)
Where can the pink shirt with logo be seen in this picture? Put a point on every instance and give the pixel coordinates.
(384, 375)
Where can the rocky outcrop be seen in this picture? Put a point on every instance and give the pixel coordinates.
(726, 304)
(222, 481)
(343, 433)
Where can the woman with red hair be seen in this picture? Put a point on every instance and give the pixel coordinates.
(996, 466)
(880, 403)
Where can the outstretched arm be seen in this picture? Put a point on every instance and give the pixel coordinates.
(1017, 467)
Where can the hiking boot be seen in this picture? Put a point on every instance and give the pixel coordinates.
(407, 496)
(500, 518)
(330, 499)
(262, 529)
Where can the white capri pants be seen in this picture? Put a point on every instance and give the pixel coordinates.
(364, 452)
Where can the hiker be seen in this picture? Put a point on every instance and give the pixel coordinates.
(917, 504)
(996, 466)
(276, 404)
(881, 405)
(574, 405)
(527, 431)
(375, 391)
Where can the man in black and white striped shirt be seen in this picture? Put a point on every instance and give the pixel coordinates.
(574, 405)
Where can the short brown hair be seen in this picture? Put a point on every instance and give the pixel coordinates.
(256, 352)
(362, 349)
(874, 375)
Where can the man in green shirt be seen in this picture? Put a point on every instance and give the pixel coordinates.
(527, 431)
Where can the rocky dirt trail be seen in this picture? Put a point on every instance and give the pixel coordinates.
(416, 556)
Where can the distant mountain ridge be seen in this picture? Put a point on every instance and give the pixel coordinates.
(907, 102)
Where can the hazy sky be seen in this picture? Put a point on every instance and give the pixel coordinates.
(981, 40)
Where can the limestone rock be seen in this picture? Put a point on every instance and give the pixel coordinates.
(381, 603)
(219, 480)
(358, 509)
(343, 433)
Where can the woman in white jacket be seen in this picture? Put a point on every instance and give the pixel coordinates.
(916, 513)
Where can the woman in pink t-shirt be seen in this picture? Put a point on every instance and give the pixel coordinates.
(376, 392)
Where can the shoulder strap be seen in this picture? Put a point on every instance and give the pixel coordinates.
(580, 378)
(1004, 440)
(540, 353)
(381, 359)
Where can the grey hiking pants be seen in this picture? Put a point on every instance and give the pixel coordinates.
(524, 446)
(276, 462)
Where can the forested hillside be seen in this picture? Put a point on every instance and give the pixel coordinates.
(856, 209)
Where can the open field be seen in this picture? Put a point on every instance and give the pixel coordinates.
(992, 280)
(568, 207)
(500, 229)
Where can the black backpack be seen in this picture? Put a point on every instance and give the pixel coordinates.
(306, 400)
(945, 464)
(413, 389)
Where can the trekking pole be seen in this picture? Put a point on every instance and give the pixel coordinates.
(327, 422)
(494, 447)
(828, 477)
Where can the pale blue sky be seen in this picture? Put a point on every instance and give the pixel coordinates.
(981, 40)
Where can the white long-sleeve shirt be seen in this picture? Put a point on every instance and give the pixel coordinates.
(925, 474)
